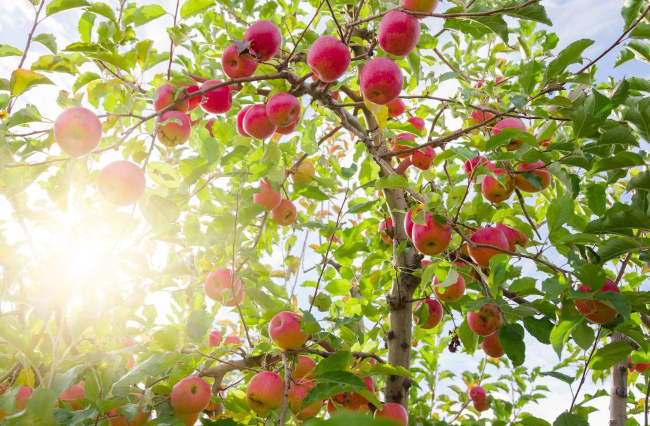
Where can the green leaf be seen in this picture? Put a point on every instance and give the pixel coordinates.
(610, 354)
(511, 338)
(569, 419)
(617, 301)
(192, 7)
(529, 420)
(468, 338)
(6, 50)
(29, 114)
(348, 418)
(309, 324)
(198, 323)
(335, 362)
(621, 160)
(48, 41)
(583, 335)
(164, 174)
(560, 334)
(533, 12)
(149, 368)
(140, 15)
(539, 328)
(569, 55)
(392, 181)
(616, 247)
(23, 80)
(59, 5)
(559, 212)
(560, 376)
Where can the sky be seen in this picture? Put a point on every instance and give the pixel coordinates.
(573, 19)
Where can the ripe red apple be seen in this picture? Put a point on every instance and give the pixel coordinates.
(267, 197)
(491, 345)
(328, 58)
(393, 411)
(22, 396)
(304, 366)
(408, 219)
(189, 419)
(428, 313)
(451, 293)
(220, 286)
(240, 120)
(381, 80)
(594, 310)
(164, 97)
(284, 330)
(641, 367)
(265, 39)
(479, 397)
(431, 238)
(215, 338)
(305, 171)
(398, 33)
(117, 419)
(486, 321)
(495, 191)
(236, 65)
(174, 128)
(490, 236)
(121, 182)
(233, 340)
(383, 226)
(396, 146)
(355, 401)
(285, 213)
(426, 6)
(216, 101)
(257, 124)
(480, 116)
(538, 168)
(513, 236)
(283, 109)
(265, 392)
(209, 125)
(477, 161)
(190, 395)
(286, 130)
(418, 123)
(73, 395)
(510, 123)
(77, 131)
(396, 108)
(297, 393)
(423, 158)
(194, 101)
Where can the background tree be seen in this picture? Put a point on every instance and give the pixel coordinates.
(297, 207)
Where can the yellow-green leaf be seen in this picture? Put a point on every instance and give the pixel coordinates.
(22, 80)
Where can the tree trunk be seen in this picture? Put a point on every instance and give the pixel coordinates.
(618, 393)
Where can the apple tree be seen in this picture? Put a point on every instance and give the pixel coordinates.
(321, 211)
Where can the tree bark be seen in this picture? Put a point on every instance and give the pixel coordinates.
(618, 392)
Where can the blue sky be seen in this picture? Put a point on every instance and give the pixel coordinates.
(573, 19)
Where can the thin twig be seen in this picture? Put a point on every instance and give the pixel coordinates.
(586, 368)
(171, 43)
(338, 26)
(232, 276)
(522, 203)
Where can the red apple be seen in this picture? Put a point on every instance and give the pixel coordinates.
(194, 101)
(418, 123)
(328, 58)
(209, 125)
(22, 396)
(423, 158)
(190, 395)
(164, 97)
(304, 366)
(116, 419)
(285, 213)
(284, 330)
(77, 131)
(486, 321)
(215, 338)
(283, 109)
(477, 161)
(189, 419)
(240, 120)
(491, 345)
(495, 191)
(267, 197)
(451, 293)
(641, 367)
(479, 397)
(216, 101)
(432, 238)
(489, 236)
(428, 313)
(220, 286)
(408, 219)
(393, 411)
(480, 116)
(121, 182)
(355, 401)
(256, 122)
(233, 340)
(398, 33)
(286, 130)
(236, 65)
(396, 146)
(396, 108)
(73, 395)
(174, 128)
(265, 39)
(596, 311)
(510, 123)
(297, 393)
(426, 6)
(383, 226)
(513, 236)
(538, 168)
(381, 80)
(265, 392)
